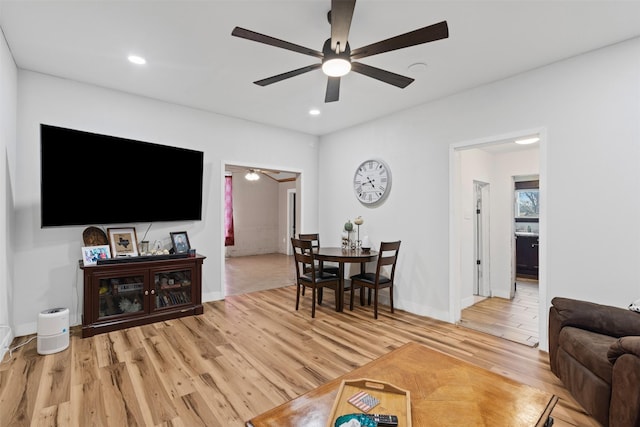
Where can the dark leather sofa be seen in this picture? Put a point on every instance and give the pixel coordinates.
(595, 350)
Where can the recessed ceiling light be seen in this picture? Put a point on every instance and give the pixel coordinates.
(418, 67)
(138, 60)
(314, 112)
(526, 141)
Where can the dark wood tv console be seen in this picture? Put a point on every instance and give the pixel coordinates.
(126, 294)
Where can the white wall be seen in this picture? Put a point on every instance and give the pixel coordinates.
(590, 106)
(8, 101)
(46, 260)
(473, 165)
(255, 216)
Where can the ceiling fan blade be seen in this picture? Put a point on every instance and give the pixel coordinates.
(333, 89)
(272, 41)
(288, 74)
(423, 35)
(341, 14)
(382, 75)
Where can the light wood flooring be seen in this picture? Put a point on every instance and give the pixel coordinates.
(243, 356)
(258, 272)
(515, 319)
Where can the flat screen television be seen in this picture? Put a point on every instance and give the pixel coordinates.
(93, 179)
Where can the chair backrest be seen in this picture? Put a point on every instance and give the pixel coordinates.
(303, 255)
(388, 255)
(314, 237)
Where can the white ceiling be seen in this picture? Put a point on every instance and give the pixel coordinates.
(194, 61)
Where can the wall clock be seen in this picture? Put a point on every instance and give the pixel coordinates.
(372, 182)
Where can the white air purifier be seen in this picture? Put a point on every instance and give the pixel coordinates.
(53, 330)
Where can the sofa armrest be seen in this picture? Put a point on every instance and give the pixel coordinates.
(624, 407)
(624, 345)
(602, 319)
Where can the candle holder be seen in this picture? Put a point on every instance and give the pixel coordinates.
(358, 222)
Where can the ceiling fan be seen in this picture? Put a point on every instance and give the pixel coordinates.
(337, 56)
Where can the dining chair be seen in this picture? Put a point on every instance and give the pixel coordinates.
(315, 242)
(387, 256)
(311, 277)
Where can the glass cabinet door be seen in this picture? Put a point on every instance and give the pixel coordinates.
(119, 296)
(172, 287)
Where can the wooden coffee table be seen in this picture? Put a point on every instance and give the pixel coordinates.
(444, 391)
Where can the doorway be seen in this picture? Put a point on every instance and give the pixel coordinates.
(482, 238)
(266, 213)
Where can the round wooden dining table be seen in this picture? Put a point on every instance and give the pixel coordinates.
(342, 256)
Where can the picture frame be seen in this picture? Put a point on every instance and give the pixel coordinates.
(123, 241)
(180, 242)
(91, 254)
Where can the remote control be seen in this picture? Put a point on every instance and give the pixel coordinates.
(384, 420)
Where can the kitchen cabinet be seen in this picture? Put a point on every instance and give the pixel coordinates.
(527, 256)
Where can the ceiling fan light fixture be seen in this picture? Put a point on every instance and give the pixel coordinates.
(336, 67)
(252, 176)
(336, 63)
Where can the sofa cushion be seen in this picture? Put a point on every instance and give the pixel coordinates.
(590, 349)
(603, 319)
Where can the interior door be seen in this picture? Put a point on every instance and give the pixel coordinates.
(481, 233)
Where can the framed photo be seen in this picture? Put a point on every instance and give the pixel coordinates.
(180, 242)
(91, 254)
(123, 241)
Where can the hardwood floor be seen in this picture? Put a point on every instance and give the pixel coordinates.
(515, 320)
(243, 356)
(258, 272)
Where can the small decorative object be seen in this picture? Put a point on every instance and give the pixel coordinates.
(358, 221)
(93, 236)
(180, 242)
(123, 241)
(129, 307)
(350, 420)
(372, 182)
(144, 247)
(366, 244)
(363, 401)
(91, 254)
(348, 227)
(345, 239)
(192, 253)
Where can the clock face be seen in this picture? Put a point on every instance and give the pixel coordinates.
(372, 182)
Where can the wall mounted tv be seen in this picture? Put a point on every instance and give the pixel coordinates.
(92, 179)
